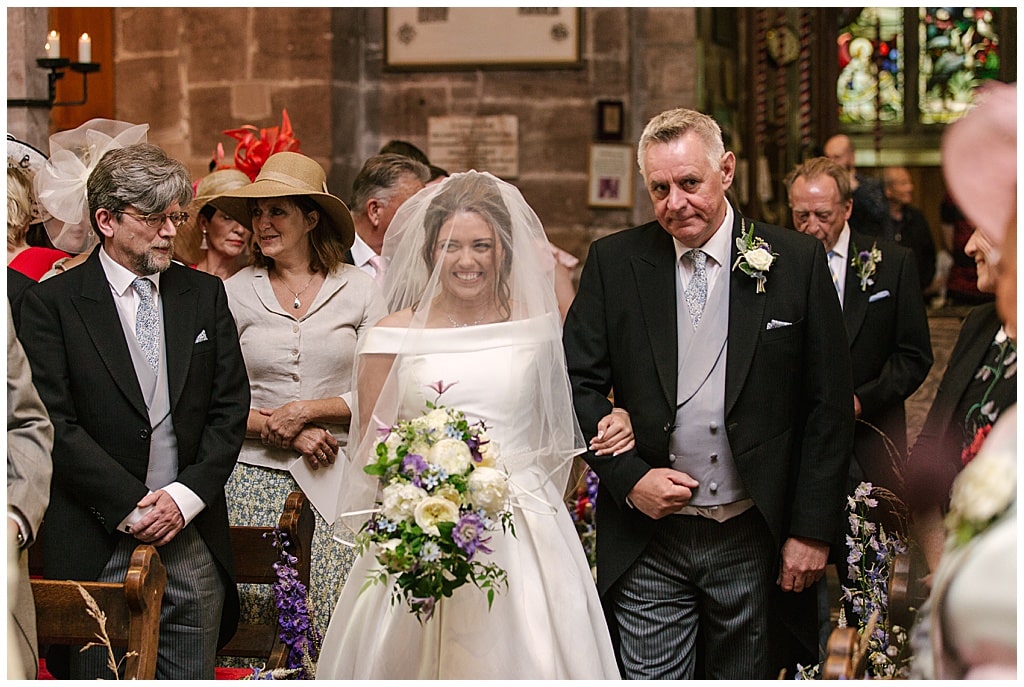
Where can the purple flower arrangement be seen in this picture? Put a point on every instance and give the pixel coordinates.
(293, 615)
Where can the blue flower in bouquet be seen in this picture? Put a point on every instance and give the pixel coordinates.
(440, 499)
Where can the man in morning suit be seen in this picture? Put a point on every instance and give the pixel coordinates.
(138, 363)
(739, 400)
(886, 323)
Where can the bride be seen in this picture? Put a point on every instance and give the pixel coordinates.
(470, 286)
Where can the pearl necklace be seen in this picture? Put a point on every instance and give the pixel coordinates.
(296, 303)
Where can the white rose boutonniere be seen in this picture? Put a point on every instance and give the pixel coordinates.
(865, 264)
(755, 257)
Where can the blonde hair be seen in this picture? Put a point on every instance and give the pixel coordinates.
(19, 205)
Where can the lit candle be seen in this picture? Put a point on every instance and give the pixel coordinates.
(85, 48)
(53, 45)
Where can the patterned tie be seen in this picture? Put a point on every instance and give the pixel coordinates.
(147, 323)
(697, 292)
(378, 263)
(835, 277)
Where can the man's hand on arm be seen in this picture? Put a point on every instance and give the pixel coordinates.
(803, 563)
(662, 492)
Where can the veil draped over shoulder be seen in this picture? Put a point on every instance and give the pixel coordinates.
(524, 336)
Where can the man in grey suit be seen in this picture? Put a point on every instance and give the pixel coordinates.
(713, 332)
(137, 360)
(29, 441)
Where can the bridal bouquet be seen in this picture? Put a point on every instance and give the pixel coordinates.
(441, 497)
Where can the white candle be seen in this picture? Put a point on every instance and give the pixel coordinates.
(85, 48)
(53, 45)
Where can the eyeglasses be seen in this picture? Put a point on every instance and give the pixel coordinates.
(156, 220)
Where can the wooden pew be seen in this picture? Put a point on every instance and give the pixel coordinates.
(132, 608)
(254, 560)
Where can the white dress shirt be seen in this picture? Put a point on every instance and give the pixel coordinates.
(717, 247)
(840, 260)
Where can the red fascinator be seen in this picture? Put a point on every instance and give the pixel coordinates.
(256, 145)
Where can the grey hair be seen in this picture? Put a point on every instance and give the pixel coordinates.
(818, 167)
(673, 124)
(141, 175)
(380, 176)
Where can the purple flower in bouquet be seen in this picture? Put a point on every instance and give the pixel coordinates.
(467, 534)
(414, 464)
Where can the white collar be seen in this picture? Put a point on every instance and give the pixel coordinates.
(842, 247)
(361, 253)
(717, 247)
(120, 277)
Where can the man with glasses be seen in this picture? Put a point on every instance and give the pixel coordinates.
(876, 282)
(137, 361)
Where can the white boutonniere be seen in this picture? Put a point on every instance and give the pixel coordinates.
(755, 256)
(865, 264)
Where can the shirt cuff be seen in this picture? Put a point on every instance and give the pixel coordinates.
(184, 498)
(188, 503)
(23, 531)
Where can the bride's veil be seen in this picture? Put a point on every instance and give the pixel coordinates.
(524, 291)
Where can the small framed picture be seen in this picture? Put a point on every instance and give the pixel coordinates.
(610, 178)
(610, 124)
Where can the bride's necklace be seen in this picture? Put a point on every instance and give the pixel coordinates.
(457, 324)
(296, 303)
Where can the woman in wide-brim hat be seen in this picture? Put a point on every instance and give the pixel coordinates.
(300, 313)
(214, 241)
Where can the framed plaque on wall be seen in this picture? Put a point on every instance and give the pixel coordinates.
(610, 179)
(447, 38)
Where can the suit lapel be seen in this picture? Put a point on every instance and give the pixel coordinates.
(855, 301)
(179, 310)
(654, 272)
(746, 316)
(99, 316)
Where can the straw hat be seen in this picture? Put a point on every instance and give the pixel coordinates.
(290, 174)
(979, 159)
(217, 183)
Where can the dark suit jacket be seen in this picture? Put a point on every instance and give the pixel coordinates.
(17, 283)
(933, 464)
(891, 354)
(83, 370)
(789, 415)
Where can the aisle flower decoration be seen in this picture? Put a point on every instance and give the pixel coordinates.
(755, 256)
(871, 552)
(865, 264)
(441, 498)
(256, 145)
(295, 626)
(584, 516)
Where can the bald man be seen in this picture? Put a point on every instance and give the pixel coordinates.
(870, 208)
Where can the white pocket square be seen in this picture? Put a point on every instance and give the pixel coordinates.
(202, 337)
(878, 296)
(776, 324)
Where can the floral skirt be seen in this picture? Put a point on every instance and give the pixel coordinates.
(256, 497)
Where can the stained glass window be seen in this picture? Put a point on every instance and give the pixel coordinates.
(959, 51)
(870, 84)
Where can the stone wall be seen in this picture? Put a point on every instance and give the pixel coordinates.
(192, 73)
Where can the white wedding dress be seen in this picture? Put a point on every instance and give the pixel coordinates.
(548, 624)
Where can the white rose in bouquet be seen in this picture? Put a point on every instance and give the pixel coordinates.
(452, 455)
(399, 500)
(433, 510)
(985, 487)
(487, 489)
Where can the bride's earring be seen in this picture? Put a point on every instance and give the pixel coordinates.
(203, 246)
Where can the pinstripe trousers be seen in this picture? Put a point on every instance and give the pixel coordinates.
(697, 573)
(189, 617)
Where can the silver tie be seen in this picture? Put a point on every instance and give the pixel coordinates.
(835, 277)
(697, 291)
(147, 323)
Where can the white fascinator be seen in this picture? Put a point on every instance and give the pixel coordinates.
(61, 183)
